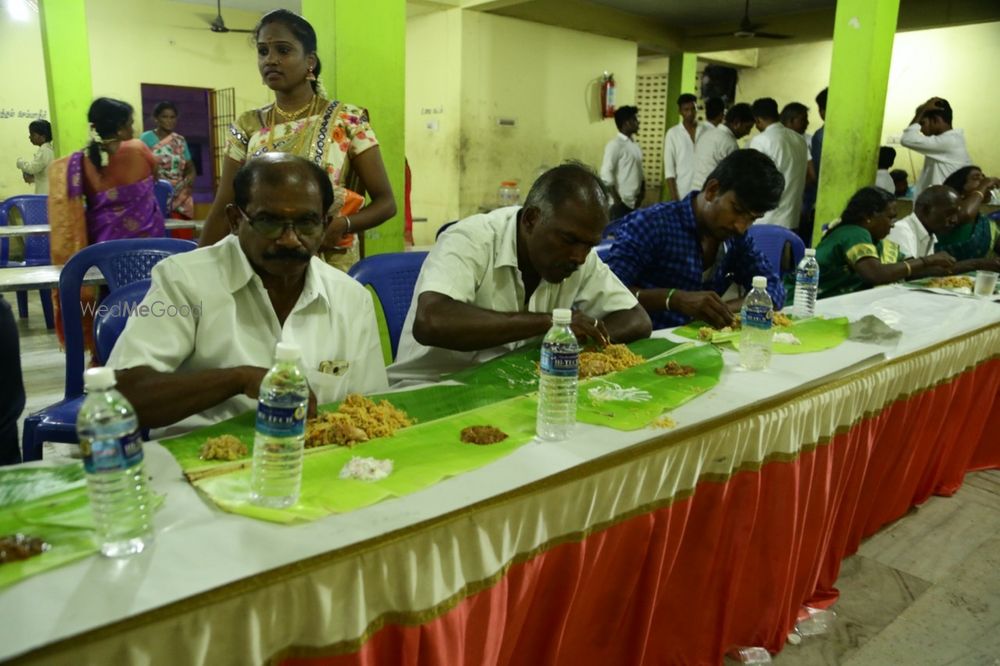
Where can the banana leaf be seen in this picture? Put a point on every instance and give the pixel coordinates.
(422, 455)
(431, 450)
(814, 334)
(49, 503)
(665, 392)
(508, 376)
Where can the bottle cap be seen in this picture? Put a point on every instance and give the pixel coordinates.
(810, 252)
(759, 282)
(287, 351)
(562, 316)
(99, 379)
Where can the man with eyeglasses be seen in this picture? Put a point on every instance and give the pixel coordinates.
(196, 349)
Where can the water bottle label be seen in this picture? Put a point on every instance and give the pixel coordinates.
(756, 317)
(807, 276)
(275, 421)
(559, 363)
(111, 455)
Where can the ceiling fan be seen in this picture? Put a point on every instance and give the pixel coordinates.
(748, 29)
(219, 25)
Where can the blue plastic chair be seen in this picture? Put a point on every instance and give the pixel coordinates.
(119, 304)
(163, 190)
(782, 247)
(392, 277)
(32, 209)
(122, 262)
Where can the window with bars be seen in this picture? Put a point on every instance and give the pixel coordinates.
(222, 105)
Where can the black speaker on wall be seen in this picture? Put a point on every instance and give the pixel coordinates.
(719, 81)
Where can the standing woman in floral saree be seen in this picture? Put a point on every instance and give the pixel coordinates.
(101, 193)
(173, 159)
(302, 121)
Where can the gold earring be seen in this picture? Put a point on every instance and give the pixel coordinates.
(310, 76)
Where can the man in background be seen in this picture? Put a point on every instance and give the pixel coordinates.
(817, 139)
(787, 150)
(717, 143)
(931, 134)
(886, 158)
(621, 169)
(795, 116)
(900, 182)
(715, 111)
(678, 148)
(36, 170)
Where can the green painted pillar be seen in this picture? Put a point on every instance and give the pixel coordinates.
(370, 72)
(859, 75)
(682, 75)
(67, 72)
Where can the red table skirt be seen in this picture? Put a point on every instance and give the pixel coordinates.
(728, 566)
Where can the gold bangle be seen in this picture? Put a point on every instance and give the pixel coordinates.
(979, 193)
(348, 224)
(909, 270)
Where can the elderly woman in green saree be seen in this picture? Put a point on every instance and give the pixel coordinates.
(976, 235)
(856, 254)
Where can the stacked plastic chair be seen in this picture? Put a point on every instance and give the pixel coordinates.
(32, 209)
(122, 262)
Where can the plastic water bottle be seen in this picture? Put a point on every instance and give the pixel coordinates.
(112, 458)
(755, 334)
(281, 431)
(560, 368)
(806, 285)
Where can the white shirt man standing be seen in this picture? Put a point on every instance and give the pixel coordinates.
(717, 143)
(678, 148)
(36, 170)
(788, 151)
(621, 169)
(930, 133)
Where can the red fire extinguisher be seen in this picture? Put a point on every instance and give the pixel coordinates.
(608, 96)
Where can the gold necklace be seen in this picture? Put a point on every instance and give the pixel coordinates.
(292, 115)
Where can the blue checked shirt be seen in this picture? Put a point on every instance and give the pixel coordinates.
(658, 247)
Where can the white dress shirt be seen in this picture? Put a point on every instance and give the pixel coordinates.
(713, 146)
(943, 155)
(622, 169)
(208, 309)
(678, 155)
(788, 150)
(475, 262)
(911, 237)
(885, 181)
(38, 166)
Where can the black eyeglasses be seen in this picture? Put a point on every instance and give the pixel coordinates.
(273, 229)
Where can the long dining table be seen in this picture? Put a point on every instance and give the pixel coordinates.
(21, 230)
(653, 546)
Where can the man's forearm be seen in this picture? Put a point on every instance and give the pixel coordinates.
(163, 398)
(672, 188)
(628, 325)
(450, 324)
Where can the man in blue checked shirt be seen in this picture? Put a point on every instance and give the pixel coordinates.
(680, 258)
